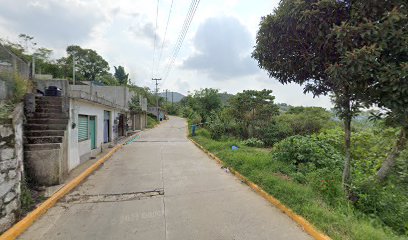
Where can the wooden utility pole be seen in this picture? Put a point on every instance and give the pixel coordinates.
(157, 97)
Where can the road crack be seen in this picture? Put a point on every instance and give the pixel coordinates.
(112, 197)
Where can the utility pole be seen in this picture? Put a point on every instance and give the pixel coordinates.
(157, 97)
(172, 98)
(32, 68)
(73, 68)
(166, 95)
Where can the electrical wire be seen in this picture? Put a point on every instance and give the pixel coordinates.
(165, 34)
(155, 38)
(182, 35)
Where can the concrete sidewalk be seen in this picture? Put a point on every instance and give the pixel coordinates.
(163, 187)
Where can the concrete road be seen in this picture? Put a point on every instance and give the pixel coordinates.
(163, 187)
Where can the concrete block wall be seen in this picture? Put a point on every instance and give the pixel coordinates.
(60, 83)
(11, 167)
(119, 95)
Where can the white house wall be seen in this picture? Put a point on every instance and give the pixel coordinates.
(82, 150)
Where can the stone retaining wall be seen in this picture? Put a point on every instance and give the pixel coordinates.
(11, 167)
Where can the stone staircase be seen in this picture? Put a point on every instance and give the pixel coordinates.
(44, 137)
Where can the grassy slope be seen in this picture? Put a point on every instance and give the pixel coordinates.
(339, 221)
(151, 122)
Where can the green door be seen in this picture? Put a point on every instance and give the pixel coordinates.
(92, 128)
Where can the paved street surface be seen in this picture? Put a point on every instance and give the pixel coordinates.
(163, 187)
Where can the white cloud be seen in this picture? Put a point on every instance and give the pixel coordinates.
(217, 46)
(57, 23)
(223, 49)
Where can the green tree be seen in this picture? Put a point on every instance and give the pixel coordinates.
(204, 101)
(295, 44)
(63, 69)
(121, 75)
(43, 63)
(373, 51)
(134, 104)
(253, 109)
(108, 79)
(146, 93)
(89, 64)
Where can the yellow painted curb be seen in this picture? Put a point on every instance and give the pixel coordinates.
(307, 226)
(18, 228)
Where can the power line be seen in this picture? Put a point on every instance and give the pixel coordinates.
(165, 34)
(182, 35)
(155, 37)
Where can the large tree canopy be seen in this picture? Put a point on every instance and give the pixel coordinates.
(373, 47)
(294, 44)
(355, 50)
(88, 63)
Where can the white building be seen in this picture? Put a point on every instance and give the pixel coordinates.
(91, 117)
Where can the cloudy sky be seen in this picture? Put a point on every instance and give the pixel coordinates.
(215, 53)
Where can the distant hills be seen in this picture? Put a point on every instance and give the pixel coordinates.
(176, 96)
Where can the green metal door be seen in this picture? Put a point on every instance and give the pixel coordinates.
(92, 128)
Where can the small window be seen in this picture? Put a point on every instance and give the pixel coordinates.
(83, 128)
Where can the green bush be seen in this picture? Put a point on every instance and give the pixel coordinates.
(313, 162)
(327, 183)
(306, 120)
(186, 112)
(21, 87)
(151, 121)
(253, 142)
(297, 121)
(385, 202)
(274, 132)
(333, 136)
(370, 146)
(19, 84)
(216, 127)
(203, 132)
(401, 169)
(307, 153)
(221, 125)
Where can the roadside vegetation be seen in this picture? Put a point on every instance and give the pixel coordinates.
(152, 121)
(19, 85)
(297, 155)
